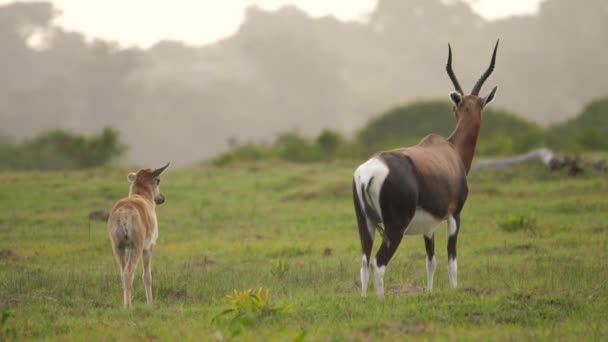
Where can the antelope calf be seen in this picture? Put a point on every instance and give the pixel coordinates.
(133, 228)
(409, 191)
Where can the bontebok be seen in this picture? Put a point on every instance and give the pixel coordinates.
(411, 190)
(133, 228)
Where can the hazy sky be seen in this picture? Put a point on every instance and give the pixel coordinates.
(143, 22)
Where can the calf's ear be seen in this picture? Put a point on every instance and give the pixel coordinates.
(131, 177)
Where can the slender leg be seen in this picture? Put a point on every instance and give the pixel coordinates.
(147, 274)
(431, 262)
(366, 234)
(129, 272)
(121, 259)
(119, 254)
(453, 228)
(392, 239)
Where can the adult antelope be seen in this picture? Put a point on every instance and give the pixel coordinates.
(133, 228)
(411, 190)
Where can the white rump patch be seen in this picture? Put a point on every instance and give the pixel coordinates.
(422, 223)
(375, 168)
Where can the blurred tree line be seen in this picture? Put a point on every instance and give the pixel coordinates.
(60, 150)
(502, 133)
(284, 70)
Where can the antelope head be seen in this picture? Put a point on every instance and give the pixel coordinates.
(470, 106)
(147, 182)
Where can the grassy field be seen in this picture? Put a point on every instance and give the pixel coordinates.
(532, 260)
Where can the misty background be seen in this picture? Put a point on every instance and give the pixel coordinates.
(284, 70)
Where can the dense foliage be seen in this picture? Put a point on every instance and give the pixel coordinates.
(587, 131)
(59, 149)
(502, 133)
(290, 69)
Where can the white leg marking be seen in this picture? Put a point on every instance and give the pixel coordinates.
(453, 272)
(430, 272)
(379, 278)
(364, 276)
(451, 226)
(452, 264)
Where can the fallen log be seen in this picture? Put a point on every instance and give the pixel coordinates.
(542, 155)
(545, 156)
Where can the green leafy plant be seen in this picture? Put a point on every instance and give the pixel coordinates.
(248, 308)
(514, 223)
(279, 268)
(7, 332)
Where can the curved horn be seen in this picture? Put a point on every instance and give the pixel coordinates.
(448, 68)
(486, 74)
(158, 171)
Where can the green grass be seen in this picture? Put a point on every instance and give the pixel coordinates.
(291, 229)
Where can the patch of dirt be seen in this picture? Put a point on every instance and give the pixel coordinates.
(302, 195)
(8, 254)
(334, 190)
(99, 215)
(406, 289)
(339, 190)
(476, 316)
(525, 247)
(174, 293)
(489, 190)
(253, 168)
(204, 261)
(8, 302)
(477, 292)
(510, 250)
(413, 328)
(102, 305)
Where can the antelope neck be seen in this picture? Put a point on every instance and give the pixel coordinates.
(144, 192)
(464, 138)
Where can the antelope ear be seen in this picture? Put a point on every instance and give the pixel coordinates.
(456, 98)
(131, 177)
(488, 97)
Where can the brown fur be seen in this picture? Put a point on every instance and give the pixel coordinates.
(133, 229)
(437, 160)
(468, 123)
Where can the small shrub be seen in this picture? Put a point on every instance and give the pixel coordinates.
(295, 148)
(329, 142)
(279, 268)
(249, 307)
(62, 150)
(513, 223)
(7, 330)
(244, 153)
